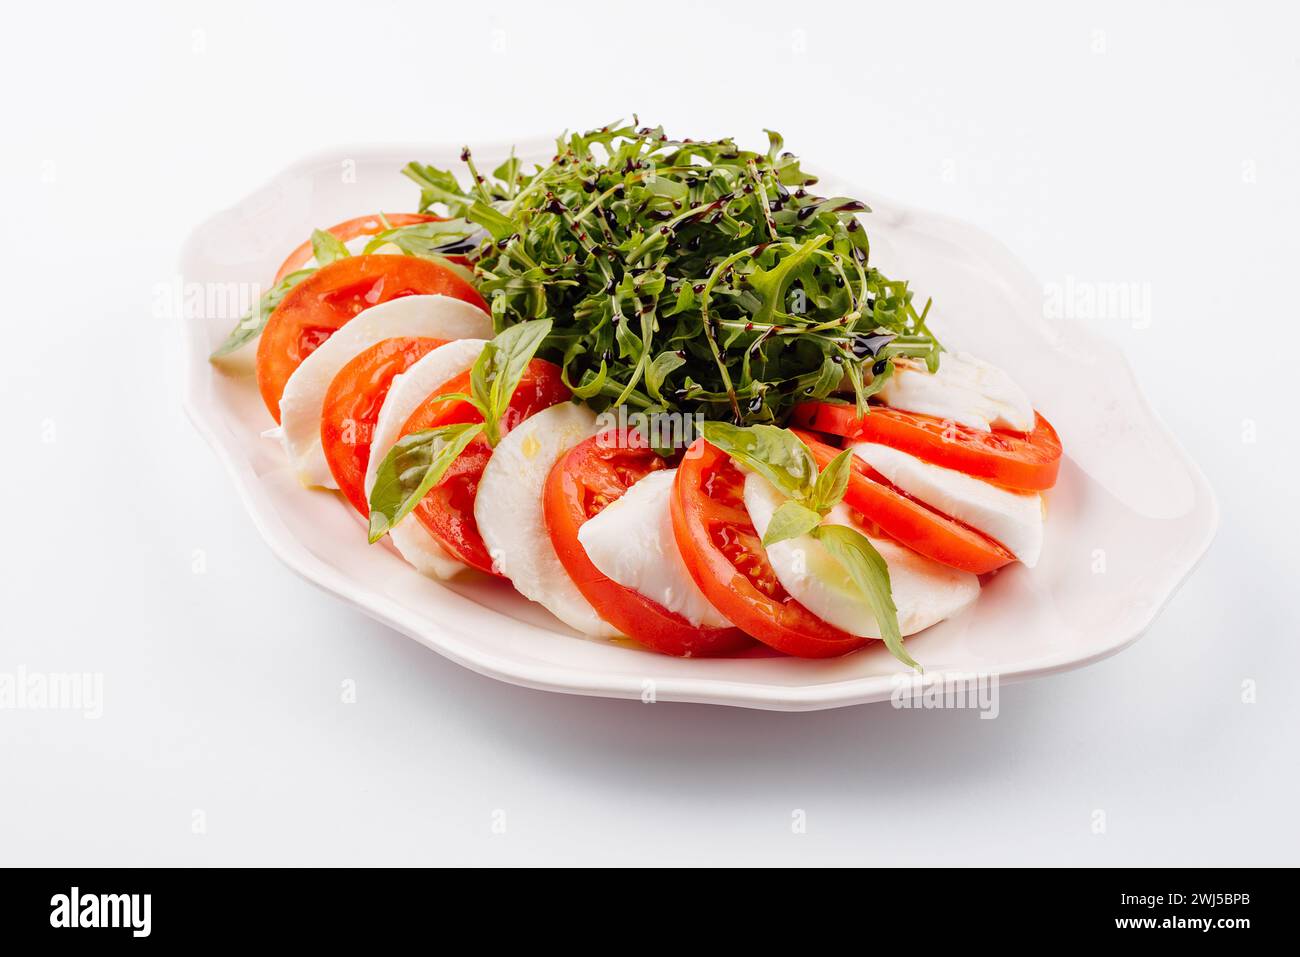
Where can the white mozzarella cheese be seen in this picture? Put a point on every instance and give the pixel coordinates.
(925, 592)
(631, 541)
(440, 317)
(508, 509)
(965, 390)
(408, 389)
(426, 375)
(1013, 518)
(426, 555)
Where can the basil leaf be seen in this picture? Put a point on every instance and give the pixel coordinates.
(500, 366)
(254, 321)
(461, 271)
(432, 240)
(776, 454)
(833, 482)
(413, 466)
(867, 568)
(327, 247)
(790, 521)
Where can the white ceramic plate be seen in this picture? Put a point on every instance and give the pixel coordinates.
(1127, 522)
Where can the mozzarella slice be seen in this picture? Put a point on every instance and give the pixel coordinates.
(408, 389)
(925, 592)
(508, 509)
(1013, 518)
(440, 317)
(631, 541)
(425, 553)
(965, 390)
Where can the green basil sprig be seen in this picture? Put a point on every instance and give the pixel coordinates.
(417, 462)
(252, 323)
(782, 458)
(325, 248)
(435, 241)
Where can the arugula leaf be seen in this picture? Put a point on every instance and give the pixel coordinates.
(775, 143)
(498, 369)
(867, 568)
(664, 365)
(438, 186)
(413, 466)
(508, 173)
(878, 380)
(326, 247)
(643, 353)
(776, 454)
(790, 521)
(491, 219)
(592, 384)
(254, 321)
(772, 284)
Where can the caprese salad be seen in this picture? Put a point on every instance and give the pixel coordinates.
(658, 387)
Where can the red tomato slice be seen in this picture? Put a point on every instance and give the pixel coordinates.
(331, 296)
(584, 481)
(352, 406)
(351, 229)
(725, 556)
(1018, 460)
(890, 512)
(448, 510)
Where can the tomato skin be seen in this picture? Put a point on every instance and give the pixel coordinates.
(710, 520)
(447, 512)
(351, 229)
(332, 296)
(897, 515)
(1022, 461)
(352, 405)
(589, 477)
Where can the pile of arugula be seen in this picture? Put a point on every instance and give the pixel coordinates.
(680, 276)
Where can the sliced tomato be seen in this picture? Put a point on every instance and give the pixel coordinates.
(331, 296)
(1018, 460)
(352, 405)
(352, 229)
(726, 559)
(888, 511)
(448, 510)
(583, 482)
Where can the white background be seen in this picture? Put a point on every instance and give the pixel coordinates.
(1153, 143)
